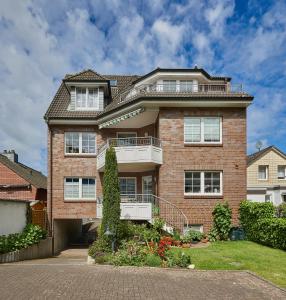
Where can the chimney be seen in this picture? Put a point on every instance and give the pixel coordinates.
(11, 154)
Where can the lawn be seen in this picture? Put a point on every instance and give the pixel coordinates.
(266, 262)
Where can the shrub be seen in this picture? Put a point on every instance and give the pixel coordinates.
(221, 222)
(153, 260)
(111, 195)
(130, 254)
(164, 246)
(281, 211)
(99, 247)
(261, 226)
(195, 235)
(250, 212)
(32, 234)
(176, 235)
(270, 232)
(178, 259)
(158, 224)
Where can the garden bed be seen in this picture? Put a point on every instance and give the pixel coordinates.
(142, 245)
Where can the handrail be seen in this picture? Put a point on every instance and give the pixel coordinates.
(131, 141)
(172, 214)
(182, 88)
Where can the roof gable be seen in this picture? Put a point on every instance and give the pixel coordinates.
(32, 176)
(259, 154)
(86, 75)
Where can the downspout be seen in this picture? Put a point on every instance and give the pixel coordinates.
(51, 185)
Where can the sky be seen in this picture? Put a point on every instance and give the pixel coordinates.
(41, 41)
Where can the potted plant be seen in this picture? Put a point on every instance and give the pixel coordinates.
(186, 241)
(195, 236)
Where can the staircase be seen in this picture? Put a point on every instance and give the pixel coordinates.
(148, 207)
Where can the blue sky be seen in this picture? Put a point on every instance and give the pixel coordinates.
(40, 42)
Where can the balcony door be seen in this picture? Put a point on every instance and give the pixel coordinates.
(126, 139)
(147, 187)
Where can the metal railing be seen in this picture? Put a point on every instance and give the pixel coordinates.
(181, 89)
(169, 212)
(132, 141)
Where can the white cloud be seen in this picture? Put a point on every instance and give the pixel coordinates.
(41, 42)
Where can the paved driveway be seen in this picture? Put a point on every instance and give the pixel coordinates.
(70, 278)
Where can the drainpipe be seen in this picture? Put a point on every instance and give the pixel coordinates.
(51, 229)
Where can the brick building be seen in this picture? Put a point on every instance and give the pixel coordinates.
(19, 182)
(179, 137)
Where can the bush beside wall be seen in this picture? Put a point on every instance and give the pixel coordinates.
(260, 224)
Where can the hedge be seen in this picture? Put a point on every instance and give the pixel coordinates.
(32, 234)
(260, 224)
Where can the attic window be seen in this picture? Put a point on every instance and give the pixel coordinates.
(87, 98)
(113, 83)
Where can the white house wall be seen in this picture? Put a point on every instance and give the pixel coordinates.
(12, 217)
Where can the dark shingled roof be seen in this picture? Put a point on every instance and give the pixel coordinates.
(34, 177)
(58, 108)
(256, 155)
(85, 75)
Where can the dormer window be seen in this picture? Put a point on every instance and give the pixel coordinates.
(169, 85)
(87, 98)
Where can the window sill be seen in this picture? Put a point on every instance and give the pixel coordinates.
(80, 155)
(203, 145)
(80, 201)
(203, 196)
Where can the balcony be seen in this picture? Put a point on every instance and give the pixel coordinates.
(133, 154)
(157, 90)
(148, 207)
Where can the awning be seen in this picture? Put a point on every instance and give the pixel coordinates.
(121, 118)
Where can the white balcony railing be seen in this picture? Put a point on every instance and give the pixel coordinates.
(147, 207)
(181, 89)
(135, 150)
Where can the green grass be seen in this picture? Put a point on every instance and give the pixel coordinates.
(266, 262)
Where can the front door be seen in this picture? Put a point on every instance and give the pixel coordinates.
(147, 187)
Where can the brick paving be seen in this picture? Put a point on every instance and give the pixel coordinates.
(71, 278)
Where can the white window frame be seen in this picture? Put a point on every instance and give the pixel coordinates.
(266, 173)
(86, 99)
(80, 144)
(80, 198)
(281, 178)
(202, 130)
(202, 181)
(124, 177)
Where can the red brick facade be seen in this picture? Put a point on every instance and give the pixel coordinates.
(8, 177)
(230, 158)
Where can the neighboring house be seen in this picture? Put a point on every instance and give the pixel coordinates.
(266, 176)
(180, 140)
(19, 182)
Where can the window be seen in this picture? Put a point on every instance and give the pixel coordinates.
(186, 85)
(127, 185)
(80, 143)
(281, 170)
(267, 198)
(126, 139)
(169, 85)
(203, 130)
(113, 82)
(262, 172)
(87, 98)
(79, 188)
(203, 182)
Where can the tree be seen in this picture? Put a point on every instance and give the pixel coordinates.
(111, 195)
